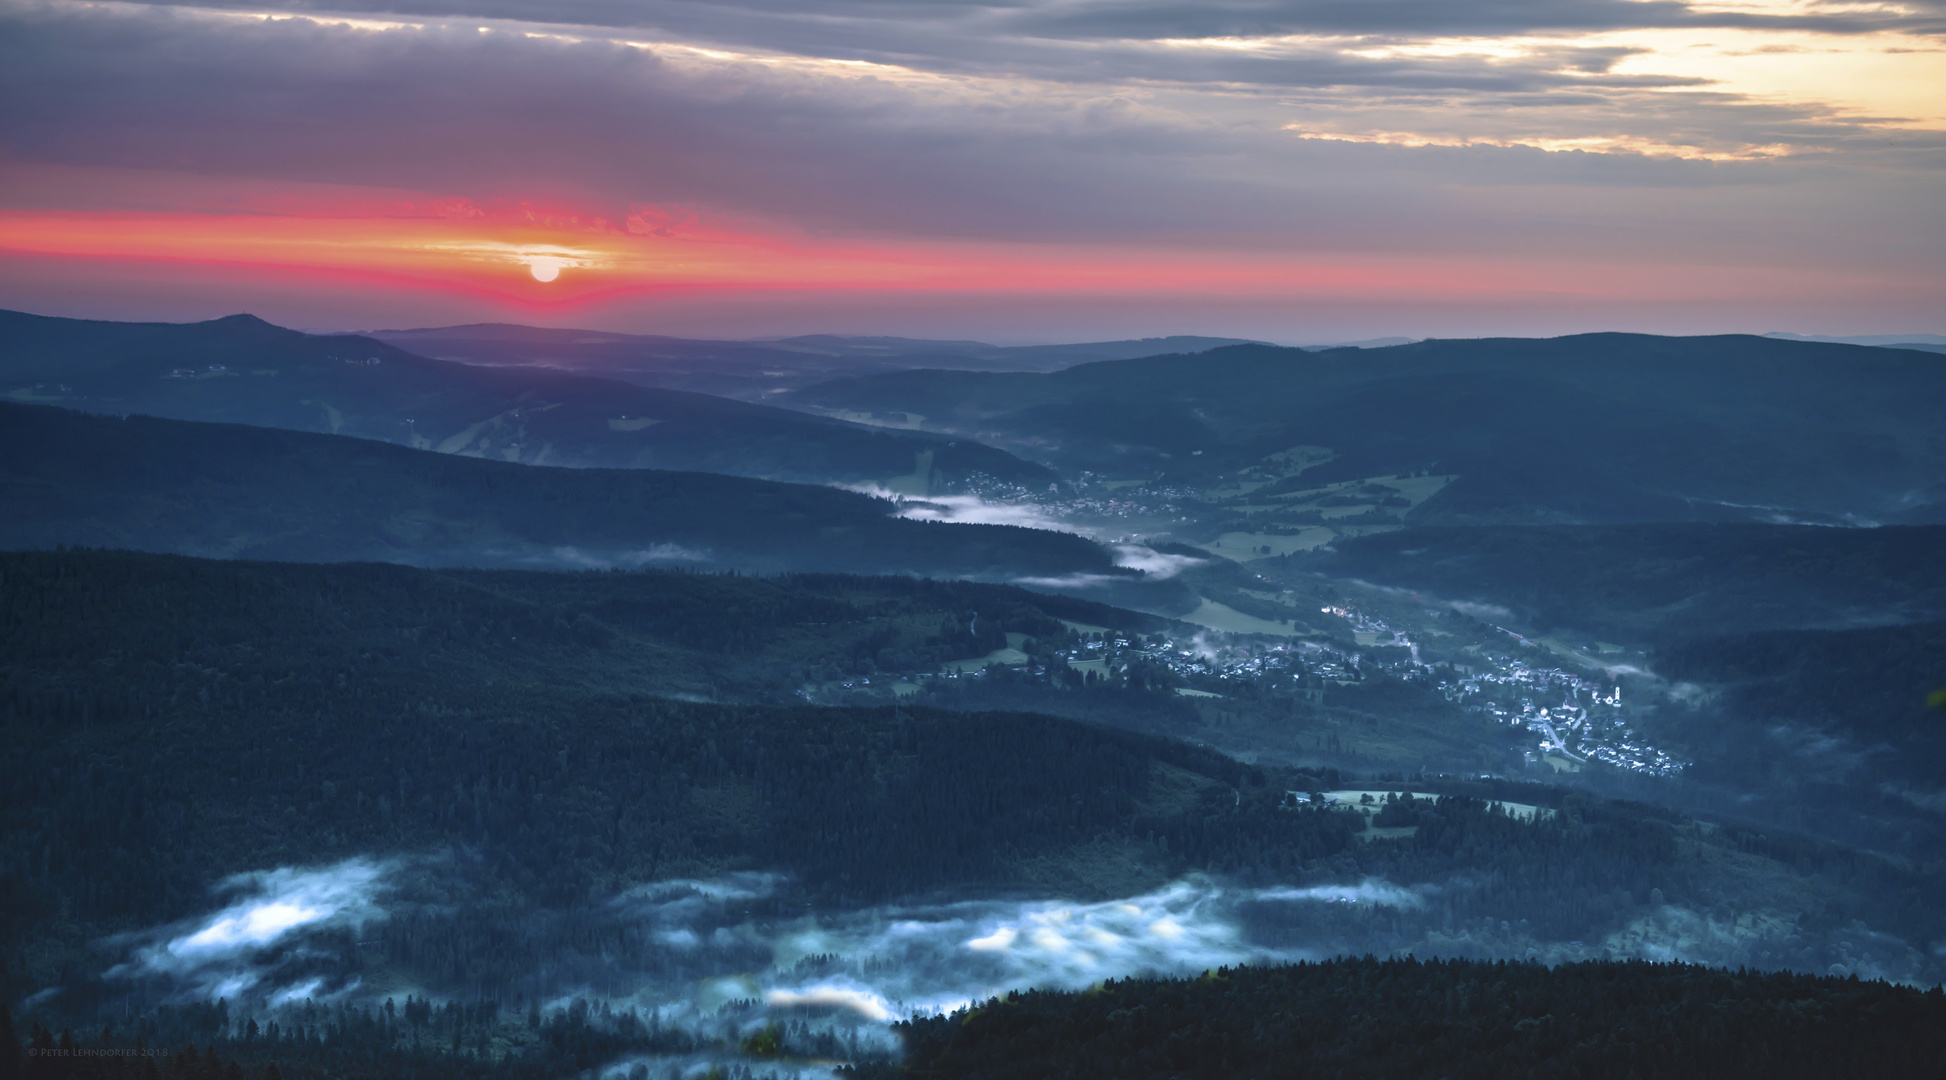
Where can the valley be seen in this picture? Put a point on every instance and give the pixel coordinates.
(617, 767)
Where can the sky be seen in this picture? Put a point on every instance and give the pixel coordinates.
(1302, 171)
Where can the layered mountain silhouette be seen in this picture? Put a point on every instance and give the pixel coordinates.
(229, 490)
(244, 370)
(754, 370)
(1594, 427)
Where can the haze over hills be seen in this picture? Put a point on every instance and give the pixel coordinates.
(229, 490)
(754, 370)
(1599, 428)
(244, 370)
(1920, 342)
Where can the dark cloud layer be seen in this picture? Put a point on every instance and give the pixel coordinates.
(450, 109)
(1031, 122)
(916, 28)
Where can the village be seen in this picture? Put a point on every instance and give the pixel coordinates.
(1575, 719)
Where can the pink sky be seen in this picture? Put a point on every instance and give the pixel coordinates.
(938, 170)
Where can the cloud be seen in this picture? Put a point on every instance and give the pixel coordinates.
(951, 34)
(1480, 610)
(723, 957)
(998, 148)
(1158, 565)
(654, 554)
(971, 510)
(263, 944)
(255, 944)
(1382, 153)
(1369, 891)
(931, 958)
(1069, 581)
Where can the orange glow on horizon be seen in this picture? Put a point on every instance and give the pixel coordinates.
(524, 259)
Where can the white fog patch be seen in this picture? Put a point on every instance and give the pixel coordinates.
(1067, 581)
(863, 1002)
(969, 510)
(1158, 565)
(1474, 608)
(1933, 801)
(1369, 891)
(722, 960)
(1153, 565)
(702, 1066)
(648, 556)
(1480, 611)
(878, 964)
(1201, 645)
(256, 944)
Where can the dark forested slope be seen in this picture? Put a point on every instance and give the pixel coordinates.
(1595, 427)
(232, 490)
(243, 370)
(181, 721)
(1658, 583)
(1374, 1019)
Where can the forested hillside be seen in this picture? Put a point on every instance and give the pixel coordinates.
(244, 370)
(1660, 583)
(487, 754)
(1587, 428)
(229, 490)
(1382, 1019)
(1842, 717)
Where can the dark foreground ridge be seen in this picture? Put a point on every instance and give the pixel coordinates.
(1373, 1019)
(1362, 1018)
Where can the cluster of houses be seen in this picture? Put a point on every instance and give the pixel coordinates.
(1576, 719)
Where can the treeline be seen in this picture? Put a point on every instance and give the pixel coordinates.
(1363, 1018)
(90, 632)
(417, 1039)
(1378, 1019)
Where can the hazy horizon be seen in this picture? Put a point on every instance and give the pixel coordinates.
(997, 336)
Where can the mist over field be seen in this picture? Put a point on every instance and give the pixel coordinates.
(723, 958)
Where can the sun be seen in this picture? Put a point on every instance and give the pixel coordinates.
(543, 268)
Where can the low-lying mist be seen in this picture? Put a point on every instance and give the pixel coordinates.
(721, 959)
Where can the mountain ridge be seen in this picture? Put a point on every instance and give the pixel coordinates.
(243, 369)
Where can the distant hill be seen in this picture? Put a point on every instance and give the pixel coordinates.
(1930, 342)
(1596, 427)
(230, 490)
(243, 370)
(754, 370)
(1660, 583)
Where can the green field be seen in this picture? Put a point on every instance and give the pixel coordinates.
(1246, 546)
(1229, 620)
